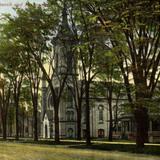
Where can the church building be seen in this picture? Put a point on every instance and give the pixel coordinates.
(67, 112)
(99, 109)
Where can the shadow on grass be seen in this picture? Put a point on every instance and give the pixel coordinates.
(42, 141)
(130, 148)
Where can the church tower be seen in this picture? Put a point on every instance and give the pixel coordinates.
(63, 64)
(63, 43)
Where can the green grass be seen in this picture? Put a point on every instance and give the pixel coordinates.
(26, 151)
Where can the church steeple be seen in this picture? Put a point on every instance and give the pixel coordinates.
(64, 17)
(63, 43)
(65, 31)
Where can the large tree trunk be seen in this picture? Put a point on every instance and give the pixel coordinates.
(35, 99)
(88, 138)
(35, 124)
(17, 87)
(17, 120)
(56, 122)
(79, 124)
(23, 131)
(4, 125)
(142, 123)
(10, 129)
(110, 112)
(141, 111)
(28, 129)
(110, 138)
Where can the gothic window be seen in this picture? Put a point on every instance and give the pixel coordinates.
(69, 98)
(70, 133)
(126, 126)
(69, 62)
(84, 119)
(69, 95)
(70, 115)
(100, 108)
(84, 114)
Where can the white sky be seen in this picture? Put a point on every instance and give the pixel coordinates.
(6, 5)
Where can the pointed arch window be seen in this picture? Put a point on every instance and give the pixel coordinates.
(101, 117)
(69, 115)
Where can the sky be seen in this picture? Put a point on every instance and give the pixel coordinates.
(7, 5)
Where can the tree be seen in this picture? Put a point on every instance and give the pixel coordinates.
(33, 28)
(7, 63)
(13, 68)
(33, 74)
(76, 87)
(10, 119)
(133, 29)
(112, 87)
(22, 64)
(85, 36)
(5, 92)
(26, 106)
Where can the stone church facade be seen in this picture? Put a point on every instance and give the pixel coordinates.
(99, 120)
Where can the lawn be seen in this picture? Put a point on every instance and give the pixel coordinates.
(25, 151)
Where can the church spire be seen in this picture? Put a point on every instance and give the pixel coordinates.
(65, 33)
(64, 16)
(65, 30)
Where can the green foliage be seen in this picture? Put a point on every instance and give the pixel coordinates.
(25, 97)
(31, 28)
